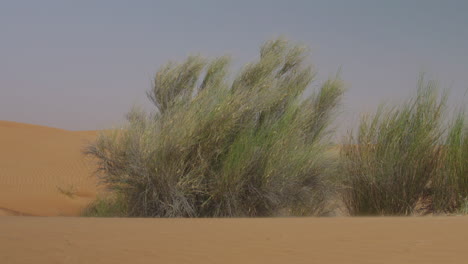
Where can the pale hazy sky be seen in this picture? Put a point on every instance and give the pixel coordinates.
(81, 65)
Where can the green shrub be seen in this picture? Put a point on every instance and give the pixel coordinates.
(390, 164)
(255, 146)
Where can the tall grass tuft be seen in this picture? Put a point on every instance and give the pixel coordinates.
(254, 146)
(451, 188)
(391, 163)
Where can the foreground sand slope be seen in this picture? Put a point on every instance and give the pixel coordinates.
(43, 171)
(281, 240)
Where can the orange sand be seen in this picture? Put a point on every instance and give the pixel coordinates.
(38, 165)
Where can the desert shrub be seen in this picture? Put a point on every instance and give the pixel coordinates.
(390, 164)
(253, 146)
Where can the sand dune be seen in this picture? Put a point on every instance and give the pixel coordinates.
(281, 240)
(43, 171)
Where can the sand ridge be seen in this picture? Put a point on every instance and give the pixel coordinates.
(43, 170)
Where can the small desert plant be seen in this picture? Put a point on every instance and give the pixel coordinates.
(251, 147)
(111, 205)
(391, 162)
(463, 208)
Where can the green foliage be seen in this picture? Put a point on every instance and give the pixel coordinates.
(255, 146)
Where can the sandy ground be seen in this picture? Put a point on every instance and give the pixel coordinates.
(43, 171)
(281, 240)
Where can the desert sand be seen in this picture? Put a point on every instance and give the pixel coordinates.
(282, 240)
(44, 173)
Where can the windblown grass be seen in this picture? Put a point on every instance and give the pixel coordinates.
(213, 148)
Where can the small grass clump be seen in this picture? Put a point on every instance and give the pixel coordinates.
(106, 206)
(254, 146)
